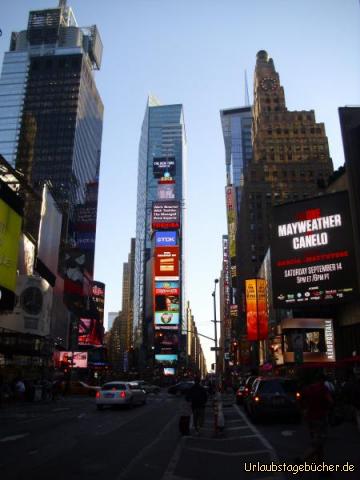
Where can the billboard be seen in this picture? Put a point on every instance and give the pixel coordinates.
(98, 297)
(165, 239)
(167, 287)
(169, 371)
(49, 232)
(169, 303)
(231, 219)
(165, 215)
(312, 252)
(257, 317)
(10, 230)
(166, 191)
(162, 165)
(166, 342)
(74, 359)
(90, 332)
(166, 262)
(314, 335)
(166, 318)
(168, 359)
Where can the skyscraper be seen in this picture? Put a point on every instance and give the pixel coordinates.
(290, 161)
(161, 189)
(236, 125)
(50, 110)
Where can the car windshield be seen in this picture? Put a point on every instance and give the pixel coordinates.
(114, 386)
(277, 386)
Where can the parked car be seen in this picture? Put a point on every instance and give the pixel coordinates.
(148, 387)
(247, 388)
(120, 393)
(274, 396)
(239, 394)
(181, 388)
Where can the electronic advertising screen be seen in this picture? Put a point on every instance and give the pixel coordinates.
(165, 215)
(312, 252)
(165, 239)
(166, 262)
(168, 359)
(11, 211)
(168, 303)
(90, 332)
(167, 287)
(166, 342)
(166, 318)
(162, 165)
(169, 371)
(64, 359)
(314, 337)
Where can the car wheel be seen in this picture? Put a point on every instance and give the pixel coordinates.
(178, 393)
(100, 407)
(144, 401)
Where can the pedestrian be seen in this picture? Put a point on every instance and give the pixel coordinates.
(317, 403)
(20, 390)
(198, 397)
(351, 396)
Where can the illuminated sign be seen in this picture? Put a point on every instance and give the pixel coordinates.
(166, 262)
(166, 288)
(162, 165)
(166, 359)
(166, 190)
(166, 342)
(231, 220)
(169, 303)
(71, 359)
(165, 239)
(10, 231)
(256, 309)
(166, 318)
(312, 252)
(314, 335)
(165, 215)
(90, 332)
(168, 371)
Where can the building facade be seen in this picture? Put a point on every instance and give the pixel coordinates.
(51, 113)
(161, 186)
(290, 161)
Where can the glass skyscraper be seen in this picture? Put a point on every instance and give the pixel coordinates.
(51, 113)
(236, 126)
(162, 137)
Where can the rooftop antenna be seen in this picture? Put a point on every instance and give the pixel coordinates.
(247, 99)
(62, 3)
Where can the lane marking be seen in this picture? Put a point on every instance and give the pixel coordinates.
(228, 454)
(147, 448)
(263, 440)
(169, 472)
(13, 438)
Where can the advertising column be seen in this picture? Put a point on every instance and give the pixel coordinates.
(166, 268)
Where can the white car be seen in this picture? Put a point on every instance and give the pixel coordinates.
(119, 393)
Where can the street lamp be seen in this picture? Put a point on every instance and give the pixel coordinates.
(215, 322)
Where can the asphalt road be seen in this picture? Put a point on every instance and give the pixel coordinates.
(70, 439)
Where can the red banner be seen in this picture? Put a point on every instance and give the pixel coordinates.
(257, 317)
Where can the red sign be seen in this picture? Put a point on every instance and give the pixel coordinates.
(166, 262)
(257, 317)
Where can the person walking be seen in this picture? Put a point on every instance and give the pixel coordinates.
(198, 397)
(317, 403)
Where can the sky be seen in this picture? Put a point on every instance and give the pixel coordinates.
(196, 53)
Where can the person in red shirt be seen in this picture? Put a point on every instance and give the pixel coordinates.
(317, 402)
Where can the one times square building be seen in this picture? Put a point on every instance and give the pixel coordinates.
(159, 319)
